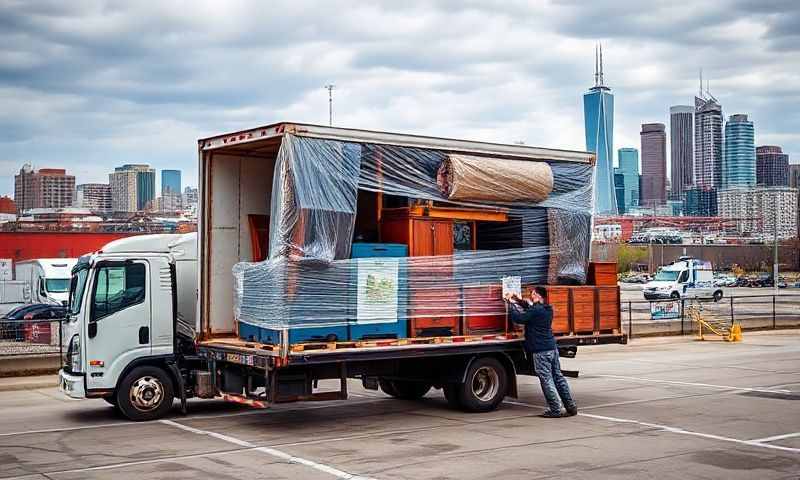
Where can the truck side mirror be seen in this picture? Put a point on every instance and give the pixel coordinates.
(92, 329)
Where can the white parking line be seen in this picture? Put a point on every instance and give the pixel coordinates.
(693, 384)
(69, 429)
(666, 428)
(269, 451)
(777, 437)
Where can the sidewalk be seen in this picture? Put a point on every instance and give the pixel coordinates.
(10, 384)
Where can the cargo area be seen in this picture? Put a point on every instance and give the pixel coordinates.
(319, 241)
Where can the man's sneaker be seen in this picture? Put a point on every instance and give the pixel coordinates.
(549, 414)
(572, 411)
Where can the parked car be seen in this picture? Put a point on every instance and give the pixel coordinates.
(11, 324)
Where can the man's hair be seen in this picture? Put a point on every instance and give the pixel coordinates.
(542, 292)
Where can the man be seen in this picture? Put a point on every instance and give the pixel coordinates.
(540, 344)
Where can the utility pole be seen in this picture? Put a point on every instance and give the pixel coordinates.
(330, 88)
(775, 246)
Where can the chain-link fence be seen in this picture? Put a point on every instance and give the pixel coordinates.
(30, 337)
(670, 317)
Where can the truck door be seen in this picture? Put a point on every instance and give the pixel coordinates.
(118, 330)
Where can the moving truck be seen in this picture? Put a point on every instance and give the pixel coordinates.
(48, 278)
(157, 319)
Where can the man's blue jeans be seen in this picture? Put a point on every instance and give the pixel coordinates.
(554, 385)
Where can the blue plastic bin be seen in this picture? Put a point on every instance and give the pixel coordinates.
(296, 334)
(398, 329)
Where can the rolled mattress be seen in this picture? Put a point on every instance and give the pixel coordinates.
(471, 178)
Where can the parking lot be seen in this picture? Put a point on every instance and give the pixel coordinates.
(671, 408)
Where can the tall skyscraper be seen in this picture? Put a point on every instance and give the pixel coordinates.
(45, 188)
(707, 141)
(598, 115)
(654, 164)
(133, 188)
(619, 190)
(170, 182)
(628, 159)
(739, 168)
(772, 166)
(681, 149)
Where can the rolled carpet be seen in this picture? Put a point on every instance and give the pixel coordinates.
(470, 178)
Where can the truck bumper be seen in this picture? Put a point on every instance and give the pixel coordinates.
(656, 296)
(71, 385)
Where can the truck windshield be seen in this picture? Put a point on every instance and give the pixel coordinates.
(76, 288)
(56, 285)
(666, 276)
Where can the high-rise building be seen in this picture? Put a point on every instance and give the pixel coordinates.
(654, 165)
(628, 159)
(759, 211)
(700, 202)
(94, 196)
(772, 166)
(794, 175)
(170, 181)
(133, 188)
(619, 190)
(739, 167)
(190, 196)
(681, 144)
(707, 142)
(598, 115)
(45, 188)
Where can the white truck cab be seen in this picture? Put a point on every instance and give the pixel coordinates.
(685, 278)
(124, 315)
(48, 278)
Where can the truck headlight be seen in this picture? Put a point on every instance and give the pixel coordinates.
(74, 354)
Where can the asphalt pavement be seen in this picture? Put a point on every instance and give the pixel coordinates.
(664, 408)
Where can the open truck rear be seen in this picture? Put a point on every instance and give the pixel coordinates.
(328, 253)
(284, 302)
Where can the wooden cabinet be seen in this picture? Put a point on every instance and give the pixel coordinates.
(584, 309)
(484, 309)
(558, 297)
(608, 310)
(602, 273)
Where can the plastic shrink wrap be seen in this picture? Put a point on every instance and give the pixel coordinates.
(465, 222)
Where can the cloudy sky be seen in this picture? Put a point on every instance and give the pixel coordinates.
(92, 85)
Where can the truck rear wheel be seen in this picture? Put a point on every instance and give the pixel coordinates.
(403, 389)
(146, 393)
(717, 295)
(485, 386)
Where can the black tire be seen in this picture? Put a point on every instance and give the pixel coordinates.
(485, 387)
(675, 296)
(112, 400)
(451, 395)
(146, 393)
(404, 390)
(717, 295)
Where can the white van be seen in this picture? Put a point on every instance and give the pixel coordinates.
(48, 278)
(685, 278)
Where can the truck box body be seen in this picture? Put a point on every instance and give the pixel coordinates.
(237, 181)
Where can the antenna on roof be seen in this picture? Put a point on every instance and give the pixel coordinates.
(701, 83)
(601, 64)
(330, 88)
(596, 67)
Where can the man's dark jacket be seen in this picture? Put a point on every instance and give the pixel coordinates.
(538, 321)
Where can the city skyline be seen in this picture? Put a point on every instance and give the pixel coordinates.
(70, 101)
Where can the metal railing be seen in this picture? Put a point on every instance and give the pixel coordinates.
(30, 337)
(669, 316)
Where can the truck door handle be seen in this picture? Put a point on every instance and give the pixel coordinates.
(144, 335)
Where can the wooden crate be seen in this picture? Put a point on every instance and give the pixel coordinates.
(608, 310)
(584, 304)
(434, 309)
(484, 309)
(558, 297)
(602, 273)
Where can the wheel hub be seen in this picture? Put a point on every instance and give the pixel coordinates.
(146, 393)
(485, 384)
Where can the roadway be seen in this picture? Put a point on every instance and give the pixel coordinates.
(662, 408)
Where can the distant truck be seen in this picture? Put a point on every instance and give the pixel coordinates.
(47, 278)
(685, 278)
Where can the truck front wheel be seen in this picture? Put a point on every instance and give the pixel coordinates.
(485, 386)
(146, 393)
